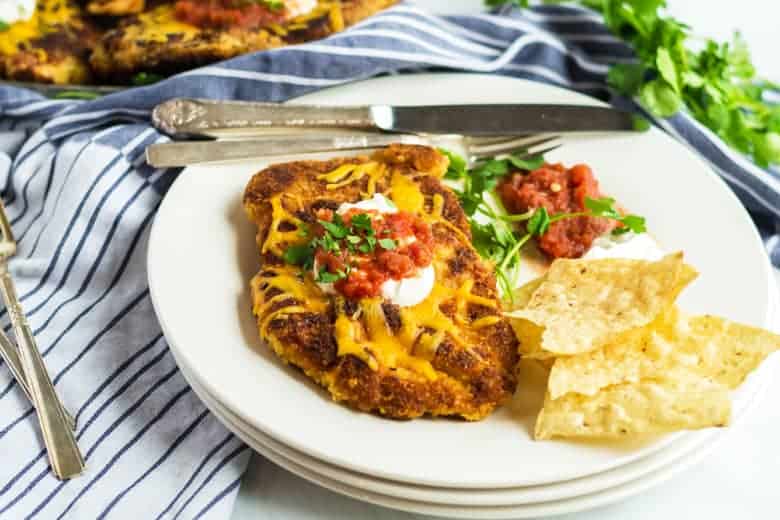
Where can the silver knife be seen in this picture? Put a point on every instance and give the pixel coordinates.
(184, 153)
(187, 117)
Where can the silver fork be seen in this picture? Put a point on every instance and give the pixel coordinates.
(64, 454)
(185, 153)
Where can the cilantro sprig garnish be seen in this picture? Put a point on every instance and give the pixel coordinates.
(340, 239)
(497, 236)
(715, 81)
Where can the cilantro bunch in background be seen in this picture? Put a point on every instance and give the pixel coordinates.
(715, 82)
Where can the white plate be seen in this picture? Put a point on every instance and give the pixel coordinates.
(202, 254)
(462, 507)
(668, 457)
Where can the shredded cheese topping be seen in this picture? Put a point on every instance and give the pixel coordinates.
(366, 334)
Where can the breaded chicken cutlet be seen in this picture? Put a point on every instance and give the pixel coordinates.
(157, 41)
(452, 354)
(53, 46)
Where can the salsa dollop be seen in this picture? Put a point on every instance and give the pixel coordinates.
(558, 190)
(220, 14)
(396, 246)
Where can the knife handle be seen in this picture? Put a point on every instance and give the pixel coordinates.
(64, 454)
(184, 153)
(186, 117)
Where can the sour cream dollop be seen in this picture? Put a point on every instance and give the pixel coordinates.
(299, 7)
(628, 245)
(406, 292)
(12, 11)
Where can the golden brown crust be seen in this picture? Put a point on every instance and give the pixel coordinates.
(52, 47)
(155, 42)
(474, 367)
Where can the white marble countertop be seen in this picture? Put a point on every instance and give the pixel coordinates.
(738, 481)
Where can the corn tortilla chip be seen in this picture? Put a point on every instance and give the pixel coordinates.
(712, 347)
(582, 304)
(683, 401)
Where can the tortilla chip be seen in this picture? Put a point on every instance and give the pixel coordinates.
(529, 335)
(683, 401)
(582, 304)
(712, 347)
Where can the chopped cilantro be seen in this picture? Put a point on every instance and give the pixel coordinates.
(388, 243)
(145, 78)
(336, 227)
(325, 276)
(76, 94)
(301, 254)
(456, 169)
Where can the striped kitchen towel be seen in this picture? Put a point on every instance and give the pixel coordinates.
(81, 200)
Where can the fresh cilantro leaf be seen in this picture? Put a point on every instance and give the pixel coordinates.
(640, 123)
(632, 223)
(539, 222)
(387, 243)
(667, 68)
(325, 276)
(145, 78)
(4, 26)
(456, 169)
(335, 228)
(301, 254)
(626, 78)
(303, 230)
(76, 94)
(659, 97)
(353, 239)
(362, 221)
(365, 248)
(601, 207)
(529, 163)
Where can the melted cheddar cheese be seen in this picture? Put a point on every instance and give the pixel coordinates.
(366, 334)
(48, 16)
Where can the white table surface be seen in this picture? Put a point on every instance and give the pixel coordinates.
(738, 481)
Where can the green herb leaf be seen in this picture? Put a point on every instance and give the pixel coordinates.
(539, 222)
(325, 276)
(302, 255)
(456, 169)
(660, 98)
(336, 227)
(388, 243)
(666, 68)
(4, 26)
(626, 78)
(362, 222)
(528, 163)
(145, 78)
(77, 94)
(354, 239)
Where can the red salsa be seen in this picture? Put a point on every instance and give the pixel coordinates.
(558, 190)
(220, 14)
(397, 245)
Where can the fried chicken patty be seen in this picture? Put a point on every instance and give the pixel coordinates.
(155, 41)
(51, 47)
(453, 354)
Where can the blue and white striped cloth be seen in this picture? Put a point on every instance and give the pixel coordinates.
(81, 200)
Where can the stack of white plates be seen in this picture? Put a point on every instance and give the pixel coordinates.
(202, 254)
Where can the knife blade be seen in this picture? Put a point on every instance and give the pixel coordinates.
(184, 153)
(183, 117)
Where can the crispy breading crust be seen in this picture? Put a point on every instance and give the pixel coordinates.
(58, 52)
(471, 381)
(130, 47)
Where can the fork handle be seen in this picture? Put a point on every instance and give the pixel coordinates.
(64, 454)
(10, 355)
